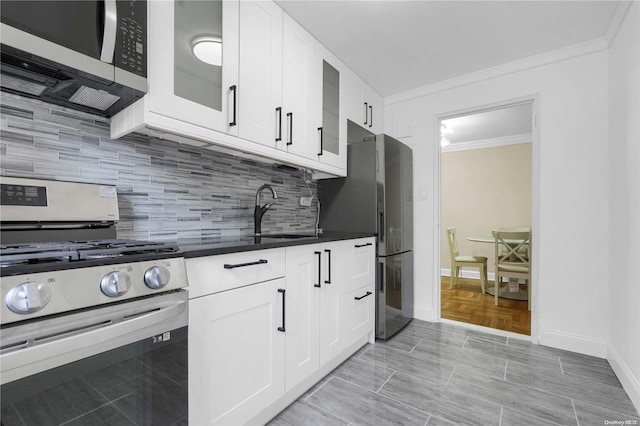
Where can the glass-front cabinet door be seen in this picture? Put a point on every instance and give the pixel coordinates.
(332, 133)
(193, 54)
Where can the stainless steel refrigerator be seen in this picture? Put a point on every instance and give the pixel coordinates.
(377, 196)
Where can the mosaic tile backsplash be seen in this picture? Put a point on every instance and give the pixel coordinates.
(166, 191)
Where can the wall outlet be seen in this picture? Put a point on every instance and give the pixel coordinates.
(305, 201)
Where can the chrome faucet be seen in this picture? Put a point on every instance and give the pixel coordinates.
(259, 210)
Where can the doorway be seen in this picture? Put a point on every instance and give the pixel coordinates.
(486, 158)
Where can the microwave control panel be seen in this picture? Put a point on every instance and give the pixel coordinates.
(131, 45)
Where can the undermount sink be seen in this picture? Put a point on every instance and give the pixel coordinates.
(288, 236)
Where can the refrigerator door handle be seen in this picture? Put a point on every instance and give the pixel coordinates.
(381, 227)
(381, 277)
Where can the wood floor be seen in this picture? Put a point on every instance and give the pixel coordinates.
(466, 303)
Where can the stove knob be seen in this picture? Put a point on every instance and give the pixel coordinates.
(28, 297)
(157, 277)
(115, 284)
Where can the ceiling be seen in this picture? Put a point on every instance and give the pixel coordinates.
(398, 45)
(489, 125)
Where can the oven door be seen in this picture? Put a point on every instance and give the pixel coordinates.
(120, 364)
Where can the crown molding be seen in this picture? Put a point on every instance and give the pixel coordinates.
(574, 51)
(488, 143)
(616, 21)
(558, 55)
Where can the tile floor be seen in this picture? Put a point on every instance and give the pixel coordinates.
(441, 374)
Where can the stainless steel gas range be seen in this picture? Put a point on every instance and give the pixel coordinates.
(94, 329)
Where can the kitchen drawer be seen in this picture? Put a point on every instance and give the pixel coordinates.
(213, 274)
(360, 312)
(361, 264)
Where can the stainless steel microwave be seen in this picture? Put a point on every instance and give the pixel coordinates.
(89, 55)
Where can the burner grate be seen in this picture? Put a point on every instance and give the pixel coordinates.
(69, 251)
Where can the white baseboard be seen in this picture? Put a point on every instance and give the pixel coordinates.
(425, 313)
(630, 383)
(470, 273)
(475, 275)
(573, 342)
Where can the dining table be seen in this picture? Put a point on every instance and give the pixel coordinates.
(513, 290)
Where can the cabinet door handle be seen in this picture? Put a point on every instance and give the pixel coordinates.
(362, 297)
(366, 112)
(290, 117)
(328, 281)
(241, 265)
(235, 102)
(279, 114)
(319, 254)
(370, 115)
(363, 245)
(282, 290)
(321, 148)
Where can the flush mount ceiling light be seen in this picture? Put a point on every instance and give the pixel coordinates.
(208, 49)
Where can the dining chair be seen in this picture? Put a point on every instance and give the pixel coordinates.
(523, 249)
(458, 261)
(512, 258)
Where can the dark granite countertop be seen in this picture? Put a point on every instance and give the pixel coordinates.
(239, 243)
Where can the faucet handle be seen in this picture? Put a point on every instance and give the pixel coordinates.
(268, 205)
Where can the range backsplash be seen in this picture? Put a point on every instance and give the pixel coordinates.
(166, 191)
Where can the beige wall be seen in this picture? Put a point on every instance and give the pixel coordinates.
(484, 189)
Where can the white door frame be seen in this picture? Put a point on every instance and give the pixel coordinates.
(535, 206)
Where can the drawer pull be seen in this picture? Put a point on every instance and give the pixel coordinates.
(362, 297)
(363, 245)
(241, 265)
(282, 329)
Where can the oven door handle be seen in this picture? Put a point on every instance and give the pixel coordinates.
(89, 333)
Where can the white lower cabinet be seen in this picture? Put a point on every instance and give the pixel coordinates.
(302, 314)
(236, 354)
(315, 331)
(328, 308)
(333, 335)
(360, 290)
(293, 311)
(361, 314)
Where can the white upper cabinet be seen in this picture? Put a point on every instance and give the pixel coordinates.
(267, 91)
(331, 147)
(186, 88)
(260, 82)
(298, 82)
(364, 105)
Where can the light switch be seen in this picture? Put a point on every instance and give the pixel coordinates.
(423, 194)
